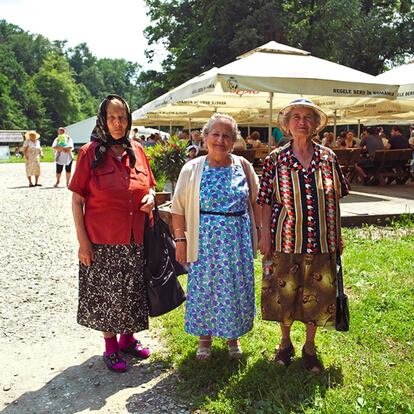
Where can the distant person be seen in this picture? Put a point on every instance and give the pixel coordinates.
(254, 140)
(328, 140)
(185, 136)
(17, 152)
(397, 140)
(370, 143)
(150, 141)
(277, 135)
(240, 143)
(196, 139)
(350, 141)
(135, 135)
(63, 146)
(32, 152)
(192, 152)
(340, 140)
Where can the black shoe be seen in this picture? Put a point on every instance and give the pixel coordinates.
(284, 356)
(311, 362)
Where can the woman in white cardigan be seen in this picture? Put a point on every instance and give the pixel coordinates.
(215, 221)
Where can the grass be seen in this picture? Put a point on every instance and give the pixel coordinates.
(48, 156)
(368, 369)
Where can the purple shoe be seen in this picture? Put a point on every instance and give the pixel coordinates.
(136, 349)
(115, 362)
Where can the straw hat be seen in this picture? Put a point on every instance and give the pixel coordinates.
(302, 102)
(28, 133)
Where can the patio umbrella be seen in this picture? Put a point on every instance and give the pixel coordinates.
(268, 77)
(402, 75)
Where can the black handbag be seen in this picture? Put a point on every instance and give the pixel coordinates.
(164, 291)
(342, 309)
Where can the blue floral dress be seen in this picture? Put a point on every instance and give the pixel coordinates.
(220, 295)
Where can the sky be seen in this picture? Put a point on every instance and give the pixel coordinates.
(111, 29)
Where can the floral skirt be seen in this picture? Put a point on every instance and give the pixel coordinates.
(112, 292)
(301, 288)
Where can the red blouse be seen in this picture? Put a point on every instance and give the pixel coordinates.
(113, 193)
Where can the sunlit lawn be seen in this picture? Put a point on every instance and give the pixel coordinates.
(48, 156)
(368, 370)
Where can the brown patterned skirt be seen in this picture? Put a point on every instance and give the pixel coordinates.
(301, 288)
(112, 293)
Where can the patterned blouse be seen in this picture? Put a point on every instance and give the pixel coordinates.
(305, 202)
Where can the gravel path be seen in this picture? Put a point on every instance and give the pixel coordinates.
(51, 364)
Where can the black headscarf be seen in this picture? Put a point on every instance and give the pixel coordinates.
(101, 133)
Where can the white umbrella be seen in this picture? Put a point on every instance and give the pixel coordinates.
(402, 75)
(276, 69)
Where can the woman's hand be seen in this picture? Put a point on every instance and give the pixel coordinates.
(181, 252)
(265, 243)
(85, 253)
(148, 203)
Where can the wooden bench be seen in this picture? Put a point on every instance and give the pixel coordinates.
(347, 157)
(391, 165)
(249, 154)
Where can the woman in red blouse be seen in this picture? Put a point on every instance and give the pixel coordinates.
(112, 190)
(299, 193)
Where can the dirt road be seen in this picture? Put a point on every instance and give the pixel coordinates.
(51, 364)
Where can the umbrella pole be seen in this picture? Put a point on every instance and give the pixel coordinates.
(170, 128)
(270, 120)
(359, 128)
(335, 124)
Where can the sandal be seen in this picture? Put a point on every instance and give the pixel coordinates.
(115, 362)
(311, 362)
(284, 355)
(137, 350)
(203, 353)
(235, 350)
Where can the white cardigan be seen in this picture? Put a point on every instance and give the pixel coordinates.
(186, 200)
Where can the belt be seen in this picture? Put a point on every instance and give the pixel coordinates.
(224, 213)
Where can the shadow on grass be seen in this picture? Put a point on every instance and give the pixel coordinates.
(252, 385)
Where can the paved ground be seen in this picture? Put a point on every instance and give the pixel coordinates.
(374, 204)
(50, 364)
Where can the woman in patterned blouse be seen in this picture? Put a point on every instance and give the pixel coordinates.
(299, 193)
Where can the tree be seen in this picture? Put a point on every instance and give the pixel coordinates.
(363, 34)
(55, 83)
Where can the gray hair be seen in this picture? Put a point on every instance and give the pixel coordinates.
(284, 119)
(217, 117)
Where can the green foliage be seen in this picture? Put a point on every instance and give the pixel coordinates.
(365, 35)
(55, 83)
(44, 85)
(367, 370)
(168, 158)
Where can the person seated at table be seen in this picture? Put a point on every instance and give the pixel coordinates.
(397, 139)
(370, 142)
(350, 141)
(328, 140)
(192, 152)
(383, 136)
(254, 140)
(277, 136)
(196, 139)
(316, 138)
(240, 143)
(340, 140)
